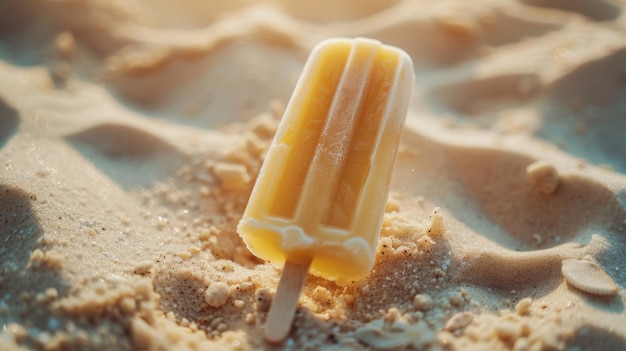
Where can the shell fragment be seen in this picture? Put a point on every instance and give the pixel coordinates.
(586, 276)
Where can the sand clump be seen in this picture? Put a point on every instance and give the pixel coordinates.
(217, 294)
(131, 136)
(543, 176)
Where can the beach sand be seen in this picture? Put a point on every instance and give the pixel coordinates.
(131, 133)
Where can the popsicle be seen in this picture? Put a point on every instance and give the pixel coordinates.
(319, 198)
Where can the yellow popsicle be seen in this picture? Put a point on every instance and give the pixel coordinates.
(320, 195)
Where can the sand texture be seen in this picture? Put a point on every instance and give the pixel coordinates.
(131, 133)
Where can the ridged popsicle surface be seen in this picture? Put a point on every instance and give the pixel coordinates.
(323, 186)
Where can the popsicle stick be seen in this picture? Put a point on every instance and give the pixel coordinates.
(285, 302)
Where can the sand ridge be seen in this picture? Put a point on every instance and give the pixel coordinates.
(130, 137)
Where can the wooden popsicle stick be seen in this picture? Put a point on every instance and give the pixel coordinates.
(285, 301)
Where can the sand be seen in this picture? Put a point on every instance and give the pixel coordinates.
(131, 133)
